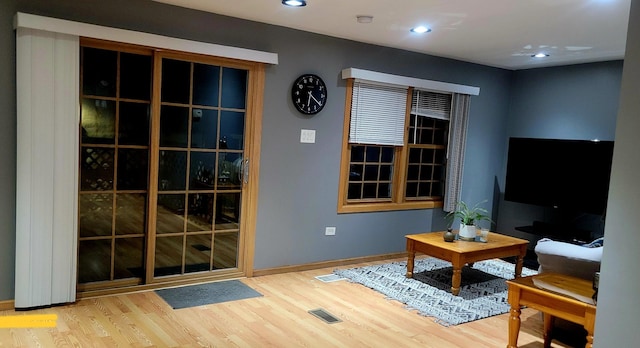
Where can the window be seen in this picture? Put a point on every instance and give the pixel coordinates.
(409, 174)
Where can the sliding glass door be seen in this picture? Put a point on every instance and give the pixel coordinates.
(163, 165)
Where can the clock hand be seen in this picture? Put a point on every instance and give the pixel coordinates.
(314, 98)
(309, 99)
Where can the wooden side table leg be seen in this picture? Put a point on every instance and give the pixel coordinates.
(589, 325)
(514, 317)
(548, 329)
(456, 279)
(514, 326)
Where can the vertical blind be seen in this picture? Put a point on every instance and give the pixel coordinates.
(377, 114)
(47, 67)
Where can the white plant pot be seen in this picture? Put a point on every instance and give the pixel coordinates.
(467, 232)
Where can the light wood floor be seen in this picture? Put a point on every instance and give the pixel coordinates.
(278, 319)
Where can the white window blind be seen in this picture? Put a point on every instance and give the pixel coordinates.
(377, 114)
(431, 104)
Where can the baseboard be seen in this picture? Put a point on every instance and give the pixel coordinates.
(325, 264)
(7, 305)
(10, 304)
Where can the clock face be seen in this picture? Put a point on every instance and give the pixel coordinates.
(309, 94)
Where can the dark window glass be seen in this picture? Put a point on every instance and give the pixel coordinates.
(99, 70)
(94, 260)
(373, 154)
(371, 173)
(234, 88)
(206, 79)
(387, 154)
(357, 153)
(204, 128)
(133, 126)
(174, 126)
(202, 174)
(369, 190)
(384, 190)
(172, 170)
(132, 169)
(135, 76)
(355, 191)
(231, 130)
(175, 81)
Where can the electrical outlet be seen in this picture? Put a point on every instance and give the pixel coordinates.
(330, 231)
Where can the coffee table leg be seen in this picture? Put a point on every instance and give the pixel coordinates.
(456, 280)
(520, 261)
(410, 259)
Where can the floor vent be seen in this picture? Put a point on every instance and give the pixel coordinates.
(325, 316)
(329, 278)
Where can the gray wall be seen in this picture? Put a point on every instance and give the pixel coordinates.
(617, 315)
(298, 182)
(567, 102)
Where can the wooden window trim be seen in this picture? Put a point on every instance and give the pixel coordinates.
(401, 153)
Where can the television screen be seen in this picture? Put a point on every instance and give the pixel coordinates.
(566, 174)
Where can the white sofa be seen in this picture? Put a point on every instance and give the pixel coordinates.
(566, 258)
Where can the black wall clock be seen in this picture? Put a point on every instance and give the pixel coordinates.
(309, 94)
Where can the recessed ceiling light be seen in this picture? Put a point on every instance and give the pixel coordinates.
(540, 55)
(421, 29)
(294, 3)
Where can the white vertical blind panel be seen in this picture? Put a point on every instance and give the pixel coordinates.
(377, 114)
(431, 104)
(46, 197)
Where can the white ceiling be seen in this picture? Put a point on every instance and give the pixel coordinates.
(500, 33)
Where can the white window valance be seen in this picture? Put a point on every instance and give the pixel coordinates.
(61, 26)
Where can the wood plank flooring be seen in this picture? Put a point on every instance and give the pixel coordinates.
(278, 319)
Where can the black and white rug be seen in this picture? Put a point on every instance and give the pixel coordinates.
(483, 292)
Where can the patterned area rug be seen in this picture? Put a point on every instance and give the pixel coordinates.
(483, 292)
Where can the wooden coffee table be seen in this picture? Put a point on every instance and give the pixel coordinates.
(555, 295)
(460, 253)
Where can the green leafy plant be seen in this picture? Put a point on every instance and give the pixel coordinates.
(467, 215)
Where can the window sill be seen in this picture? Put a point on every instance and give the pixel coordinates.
(376, 207)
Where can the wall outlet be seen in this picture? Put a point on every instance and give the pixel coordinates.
(330, 231)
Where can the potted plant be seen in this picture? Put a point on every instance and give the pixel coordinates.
(468, 218)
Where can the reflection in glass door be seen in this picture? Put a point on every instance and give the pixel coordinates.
(115, 114)
(200, 166)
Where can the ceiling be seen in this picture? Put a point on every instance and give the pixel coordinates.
(499, 33)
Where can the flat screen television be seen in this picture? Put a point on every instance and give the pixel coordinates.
(564, 174)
